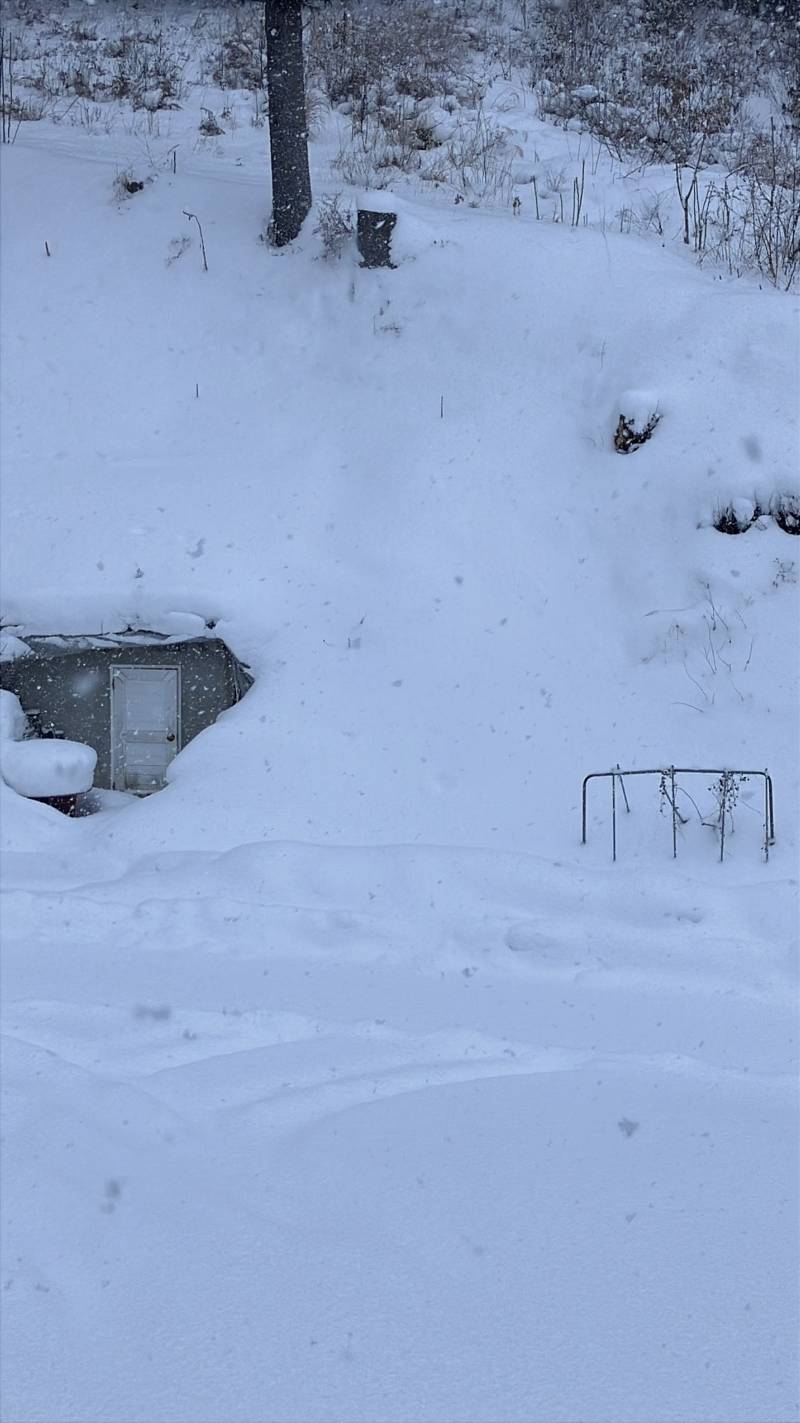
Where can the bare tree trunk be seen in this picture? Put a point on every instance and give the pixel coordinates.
(288, 135)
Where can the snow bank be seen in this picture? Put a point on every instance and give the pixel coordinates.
(11, 647)
(13, 721)
(638, 407)
(412, 234)
(27, 827)
(47, 768)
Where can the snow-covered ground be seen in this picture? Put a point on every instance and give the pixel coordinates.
(341, 1082)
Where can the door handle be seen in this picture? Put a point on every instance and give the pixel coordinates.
(171, 736)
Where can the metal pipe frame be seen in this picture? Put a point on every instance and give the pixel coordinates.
(673, 772)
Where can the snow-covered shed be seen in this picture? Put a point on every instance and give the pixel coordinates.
(136, 697)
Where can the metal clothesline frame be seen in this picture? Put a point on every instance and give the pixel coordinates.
(726, 775)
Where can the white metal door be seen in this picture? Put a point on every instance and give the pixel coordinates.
(145, 726)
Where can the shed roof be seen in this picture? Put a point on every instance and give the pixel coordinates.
(19, 644)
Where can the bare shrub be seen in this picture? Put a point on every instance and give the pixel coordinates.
(656, 78)
(750, 221)
(366, 159)
(734, 518)
(177, 247)
(238, 56)
(398, 71)
(209, 124)
(435, 170)
(480, 157)
(81, 33)
(334, 226)
(126, 184)
(412, 49)
(627, 437)
(146, 69)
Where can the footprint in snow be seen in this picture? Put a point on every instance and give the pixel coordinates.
(526, 939)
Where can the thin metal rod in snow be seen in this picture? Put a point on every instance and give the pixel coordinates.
(726, 788)
(724, 792)
(194, 218)
(613, 815)
(614, 774)
(624, 792)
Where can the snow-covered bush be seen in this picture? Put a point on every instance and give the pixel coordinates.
(47, 768)
(736, 517)
(136, 58)
(480, 158)
(371, 53)
(785, 510)
(209, 124)
(750, 222)
(147, 67)
(403, 76)
(40, 768)
(237, 54)
(659, 78)
(126, 184)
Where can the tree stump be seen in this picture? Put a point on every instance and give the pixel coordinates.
(374, 236)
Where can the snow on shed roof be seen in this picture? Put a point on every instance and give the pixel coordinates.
(22, 643)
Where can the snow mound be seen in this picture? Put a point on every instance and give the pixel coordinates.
(639, 414)
(13, 721)
(47, 768)
(11, 647)
(638, 408)
(377, 200)
(411, 234)
(588, 94)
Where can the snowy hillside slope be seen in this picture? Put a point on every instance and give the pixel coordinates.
(341, 1081)
(446, 603)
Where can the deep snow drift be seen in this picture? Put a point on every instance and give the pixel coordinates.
(341, 1081)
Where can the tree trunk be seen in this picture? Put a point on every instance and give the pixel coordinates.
(288, 136)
